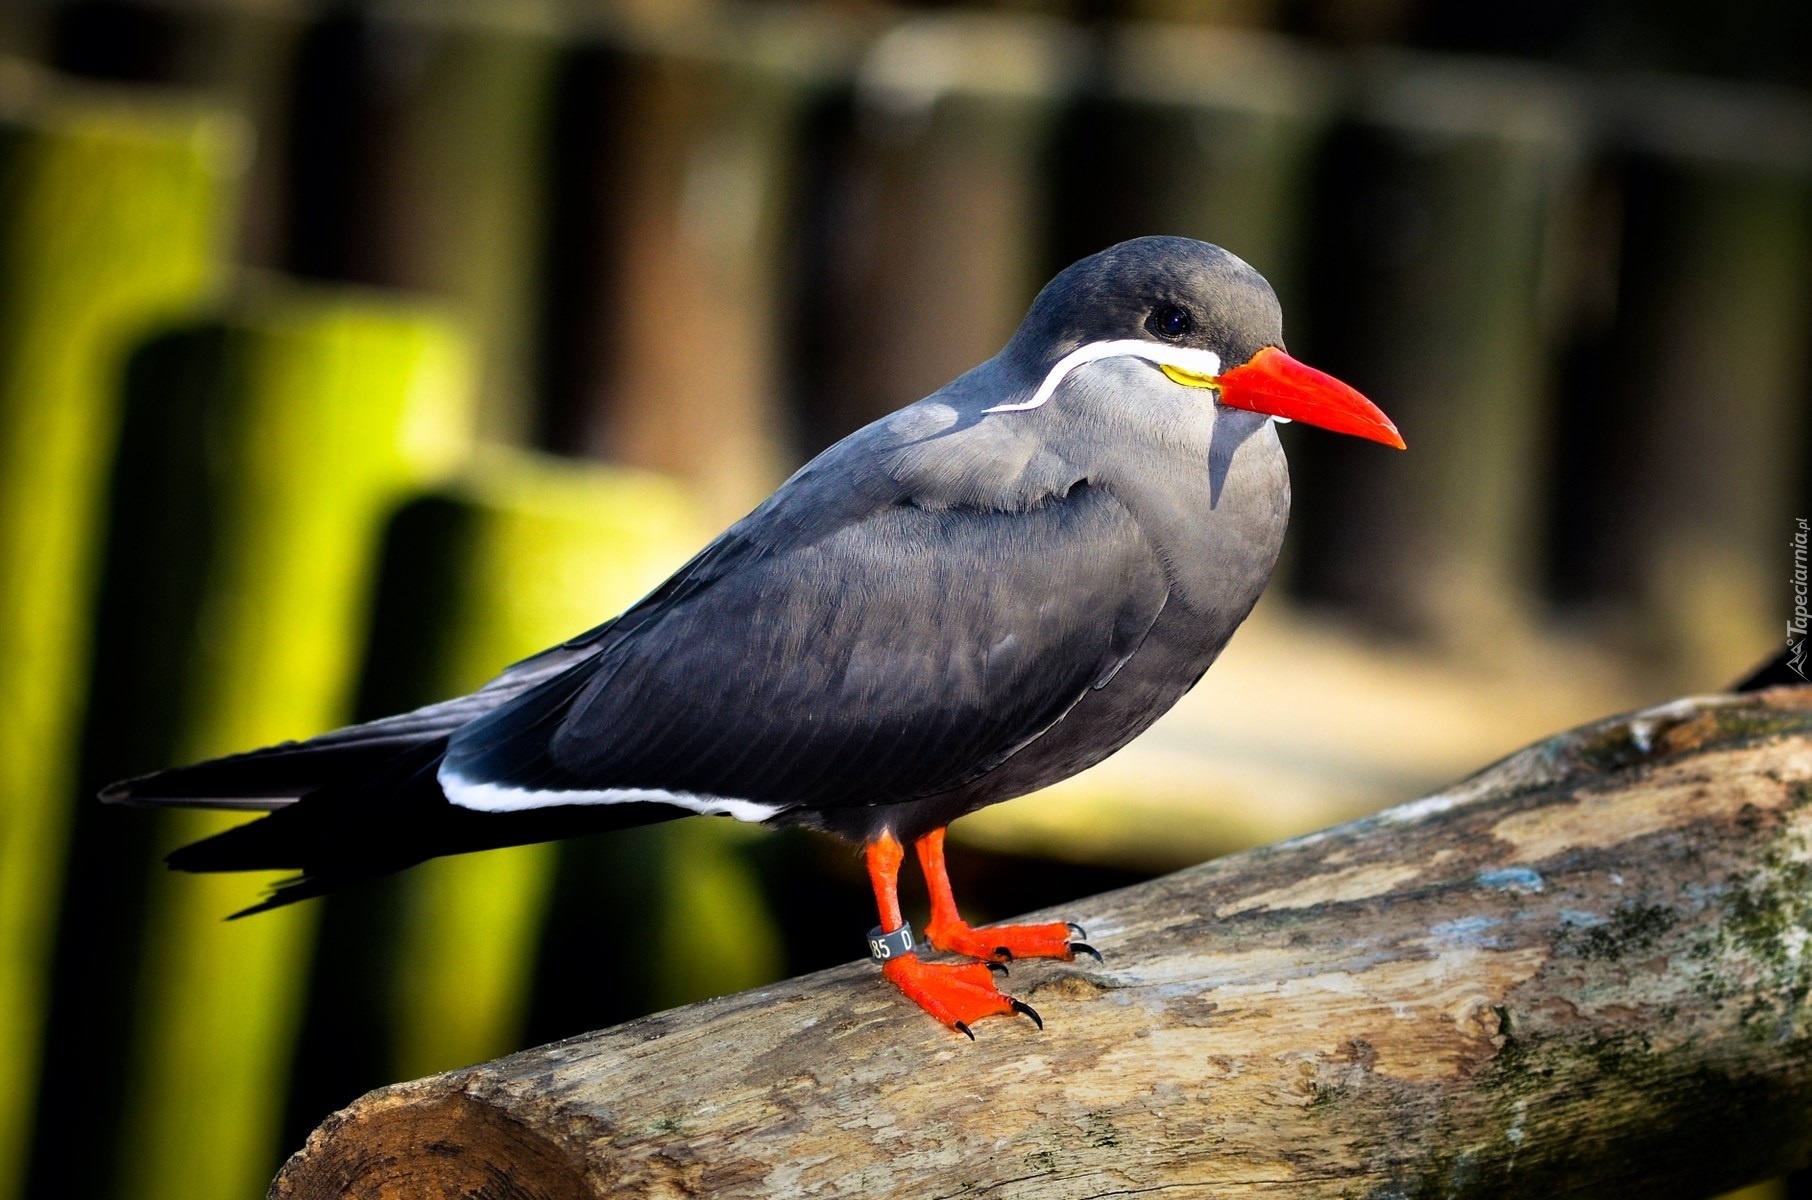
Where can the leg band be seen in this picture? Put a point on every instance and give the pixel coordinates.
(883, 945)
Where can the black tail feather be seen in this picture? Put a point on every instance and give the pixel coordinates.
(259, 780)
(368, 826)
(277, 776)
(297, 888)
(391, 819)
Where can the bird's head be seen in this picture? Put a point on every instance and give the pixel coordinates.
(1201, 317)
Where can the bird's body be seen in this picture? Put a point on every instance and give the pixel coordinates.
(970, 599)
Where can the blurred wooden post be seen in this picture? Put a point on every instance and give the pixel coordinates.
(1434, 296)
(1688, 438)
(263, 454)
(1228, 155)
(670, 274)
(934, 214)
(419, 162)
(22, 31)
(516, 555)
(112, 214)
(236, 56)
(1581, 972)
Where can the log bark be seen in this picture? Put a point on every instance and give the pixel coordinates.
(1584, 971)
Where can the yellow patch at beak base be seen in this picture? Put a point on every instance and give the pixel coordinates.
(1190, 378)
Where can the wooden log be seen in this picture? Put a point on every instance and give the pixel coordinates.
(1583, 971)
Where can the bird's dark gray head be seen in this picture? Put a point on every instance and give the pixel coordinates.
(1169, 290)
(1194, 312)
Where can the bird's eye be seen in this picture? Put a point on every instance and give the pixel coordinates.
(1170, 321)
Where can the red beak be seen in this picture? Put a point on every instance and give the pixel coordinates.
(1277, 385)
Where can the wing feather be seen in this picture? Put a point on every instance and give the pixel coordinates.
(895, 656)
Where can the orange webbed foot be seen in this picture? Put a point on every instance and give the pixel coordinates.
(958, 994)
(1004, 943)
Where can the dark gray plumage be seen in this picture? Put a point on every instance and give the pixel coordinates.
(951, 607)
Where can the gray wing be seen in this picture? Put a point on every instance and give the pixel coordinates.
(852, 643)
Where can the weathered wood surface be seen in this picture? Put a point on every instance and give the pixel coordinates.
(1582, 972)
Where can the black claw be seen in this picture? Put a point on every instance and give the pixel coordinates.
(1003, 953)
(1001, 967)
(1080, 931)
(964, 1030)
(1020, 1006)
(1085, 948)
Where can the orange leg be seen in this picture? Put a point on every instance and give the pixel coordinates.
(1000, 943)
(954, 993)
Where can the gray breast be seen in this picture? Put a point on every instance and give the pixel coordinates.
(1219, 529)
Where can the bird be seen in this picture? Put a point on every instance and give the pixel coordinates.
(967, 600)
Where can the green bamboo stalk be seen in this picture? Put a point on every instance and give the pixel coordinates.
(111, 213)
(310, 417)
(519, 554)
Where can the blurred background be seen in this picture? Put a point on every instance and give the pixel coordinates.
(350, 351)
